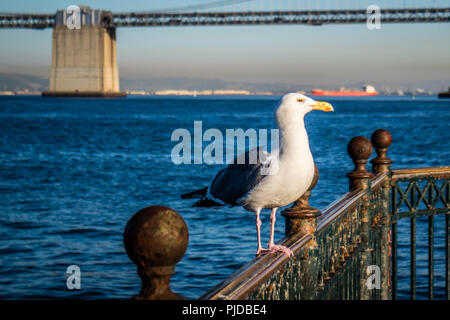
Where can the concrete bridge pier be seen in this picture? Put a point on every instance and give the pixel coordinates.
(84, 60)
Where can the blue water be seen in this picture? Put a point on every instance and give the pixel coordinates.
(72, 172)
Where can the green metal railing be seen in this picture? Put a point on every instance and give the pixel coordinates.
(347, 251)
(411, 200)
(348, 245)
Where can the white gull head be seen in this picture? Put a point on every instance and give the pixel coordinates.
(294, 106)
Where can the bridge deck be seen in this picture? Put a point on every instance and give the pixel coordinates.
(316, 17)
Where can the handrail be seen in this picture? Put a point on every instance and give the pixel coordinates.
(250, 276)
(436, 172)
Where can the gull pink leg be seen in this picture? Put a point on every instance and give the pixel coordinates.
(272, 246)
(260, 250)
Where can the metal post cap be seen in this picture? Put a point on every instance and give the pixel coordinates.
(155, 239)
(156, 236)
(359, 148)
(381, 139)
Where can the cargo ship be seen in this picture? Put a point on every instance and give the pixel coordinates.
(444, 94)
(367, 91)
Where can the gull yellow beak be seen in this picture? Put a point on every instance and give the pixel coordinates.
(324, 106)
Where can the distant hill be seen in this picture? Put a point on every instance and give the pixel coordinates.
(14, 82)
(154, 84)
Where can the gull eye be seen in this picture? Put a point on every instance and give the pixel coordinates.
(300, 100)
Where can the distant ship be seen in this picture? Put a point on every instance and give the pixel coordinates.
(444, 94)
(368, 91)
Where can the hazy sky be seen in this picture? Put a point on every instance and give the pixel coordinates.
(325, 55)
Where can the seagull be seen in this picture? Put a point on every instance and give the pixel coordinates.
(277, 178)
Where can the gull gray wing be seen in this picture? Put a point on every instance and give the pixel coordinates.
(236, 180)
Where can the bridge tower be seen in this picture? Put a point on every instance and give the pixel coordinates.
(84, 59)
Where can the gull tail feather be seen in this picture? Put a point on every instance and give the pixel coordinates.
(205, 202)
(200, 193)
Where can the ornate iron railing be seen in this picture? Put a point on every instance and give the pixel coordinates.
(416, 193)
(347, 251)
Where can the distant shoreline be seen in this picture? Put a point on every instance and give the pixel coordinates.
(275, 95)
(224, 93)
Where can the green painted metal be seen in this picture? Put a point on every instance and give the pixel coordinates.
(413, 259)
(394, 261)
(432, 195)
(430, 257)
(413, 201)
(340, 250)
(413, 249)
(447, 253)
(394, 247)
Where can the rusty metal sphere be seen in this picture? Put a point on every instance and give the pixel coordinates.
(156, 236)
(381, 139)
(359, 148)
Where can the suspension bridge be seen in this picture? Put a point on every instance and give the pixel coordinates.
(211, 18)
(84, 59)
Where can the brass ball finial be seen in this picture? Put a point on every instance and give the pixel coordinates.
(382, 140)
(359, 149)
(155, 239)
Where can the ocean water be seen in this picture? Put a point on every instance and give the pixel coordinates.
(73, 171)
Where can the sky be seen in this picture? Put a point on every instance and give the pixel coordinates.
(327, 55)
